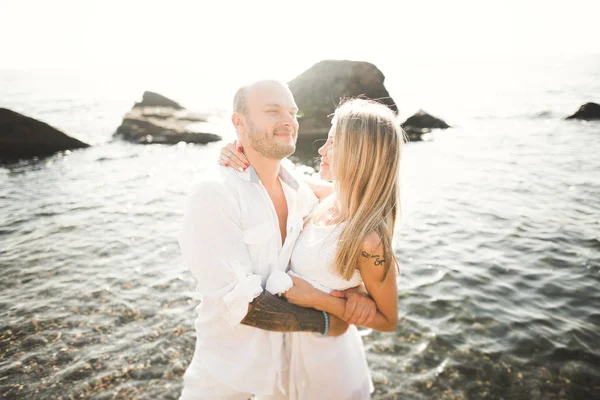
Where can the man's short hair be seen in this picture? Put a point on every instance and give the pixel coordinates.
(240, 100)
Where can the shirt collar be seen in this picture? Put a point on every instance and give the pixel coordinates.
(250, 175)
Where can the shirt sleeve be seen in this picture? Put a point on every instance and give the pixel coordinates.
(278, 283)
(212, 247)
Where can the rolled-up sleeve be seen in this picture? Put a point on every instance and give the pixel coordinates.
(212, 247)
(279, 282)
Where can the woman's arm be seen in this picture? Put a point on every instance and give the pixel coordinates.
(336, 306)
(320, 188)
(386, 299)
(385, 294)
(232, 156)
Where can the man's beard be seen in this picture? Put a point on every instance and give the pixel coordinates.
(264, 143)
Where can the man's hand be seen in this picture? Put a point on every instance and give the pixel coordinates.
(302, 294)
(337, 327)
(360, 307)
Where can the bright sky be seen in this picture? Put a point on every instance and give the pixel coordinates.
(264, 37)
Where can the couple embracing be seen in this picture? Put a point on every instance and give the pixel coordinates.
(287, 269)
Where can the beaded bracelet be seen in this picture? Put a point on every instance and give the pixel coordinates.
(326, 323)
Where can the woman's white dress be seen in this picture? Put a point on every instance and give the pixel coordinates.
(321, 367)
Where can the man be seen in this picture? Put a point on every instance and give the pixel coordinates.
(238, 229)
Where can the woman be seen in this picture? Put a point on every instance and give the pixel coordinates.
(346, 241)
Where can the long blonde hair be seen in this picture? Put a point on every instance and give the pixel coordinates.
(367, 147)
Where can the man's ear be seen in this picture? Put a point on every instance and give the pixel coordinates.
(239, 122)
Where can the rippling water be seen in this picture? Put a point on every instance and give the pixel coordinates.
(499, 248)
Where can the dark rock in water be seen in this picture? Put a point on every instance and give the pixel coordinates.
(319, 89)
(420, 123)
(63, 356)
(179, 366)
(81, 341)
(159, 359)
(147, 312)
(151, 99)
(25, 137)
(580, 372)
(147, 373)
(587, 112)
(424, 120)
(34, 340)
(544, 115)
(108, 395)
(158, 119)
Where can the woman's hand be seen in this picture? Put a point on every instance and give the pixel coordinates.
(302, 294)
(232, 156)
(360, 307)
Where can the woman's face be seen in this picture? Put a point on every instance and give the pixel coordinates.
(327, 156)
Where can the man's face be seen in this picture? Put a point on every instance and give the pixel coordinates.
(271, 123)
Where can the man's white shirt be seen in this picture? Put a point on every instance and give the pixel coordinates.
(231, 242)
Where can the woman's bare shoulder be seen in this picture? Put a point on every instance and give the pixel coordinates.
(372, 243)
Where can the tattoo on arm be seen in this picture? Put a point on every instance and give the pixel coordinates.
(272, 313)
(378, 261)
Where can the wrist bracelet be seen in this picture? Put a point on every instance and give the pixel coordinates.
(326, 323)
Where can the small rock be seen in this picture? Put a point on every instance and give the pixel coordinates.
(580, 372)
(587, 112)
(380, 378)
(158, 359)
(151, 99)
(544, 374)
(421, 123)
(107, 395)
(147, 373)
(75, 373)
(179, 367)
(147, 312)
(535, 394)
(34, 340)
(421, 119)
(82, 341)
(35, 359)
(63, 356)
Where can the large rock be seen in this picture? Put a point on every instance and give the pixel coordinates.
(158, 119)
(319, 89)
(421, 123)
(25, 137)
(318, 92)
(588, 112)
